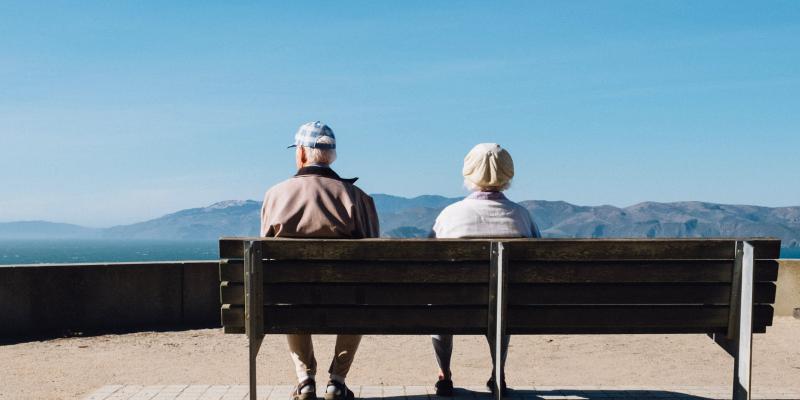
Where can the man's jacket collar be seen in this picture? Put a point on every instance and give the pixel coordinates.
(324, 172)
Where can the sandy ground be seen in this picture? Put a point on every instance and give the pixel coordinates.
(72, 367)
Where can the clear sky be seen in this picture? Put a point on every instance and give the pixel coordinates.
(115, 112)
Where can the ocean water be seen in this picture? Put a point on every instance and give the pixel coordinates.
(793, 252)
(88, 251)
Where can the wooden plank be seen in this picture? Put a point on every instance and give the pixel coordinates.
(376, 320)
(472, 320)
(364, 271)
(765, 248)
(364, 249)
(474, 294)
(626, 319)
(476, 272)
(368, 319)
(231, 248)
(233, 329)
(531, 249)
(353, 294)
(253, 297)
(632, 271)
(232, 315)
(634, 249)
(621, 249)
(765, 270)
(610, 293)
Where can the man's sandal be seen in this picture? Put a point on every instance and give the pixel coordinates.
(341, 393)
(297, 393)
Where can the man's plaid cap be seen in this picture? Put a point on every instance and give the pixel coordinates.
(310, 133)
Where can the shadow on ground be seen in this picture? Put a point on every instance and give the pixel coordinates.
(461, 394)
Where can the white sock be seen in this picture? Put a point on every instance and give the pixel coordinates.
(307, 388)
(333, 389)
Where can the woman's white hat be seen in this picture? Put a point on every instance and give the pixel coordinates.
(488, 165)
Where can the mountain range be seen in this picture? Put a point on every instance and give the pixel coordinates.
(414, 217)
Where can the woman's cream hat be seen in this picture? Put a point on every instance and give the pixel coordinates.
(488, 165)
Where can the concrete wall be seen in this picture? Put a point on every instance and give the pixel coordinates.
(47, 300)
(60, 299)
(787, 297)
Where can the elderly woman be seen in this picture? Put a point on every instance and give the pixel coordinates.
(485, 213)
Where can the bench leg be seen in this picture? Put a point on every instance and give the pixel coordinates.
(743, 333)
(497, 311)
(254, 344)
(253, 306)
(738, 341)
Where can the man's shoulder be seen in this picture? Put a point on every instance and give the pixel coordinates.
(287, 188)
(358, 190)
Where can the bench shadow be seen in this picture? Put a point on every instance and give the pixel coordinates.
(461, 394)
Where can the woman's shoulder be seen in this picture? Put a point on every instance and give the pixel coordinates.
(458, 207)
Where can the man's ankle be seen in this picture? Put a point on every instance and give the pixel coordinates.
(337, 378)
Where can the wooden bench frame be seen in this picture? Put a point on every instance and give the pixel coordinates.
(735, 337)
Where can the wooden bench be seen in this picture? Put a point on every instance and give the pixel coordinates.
(720, 287)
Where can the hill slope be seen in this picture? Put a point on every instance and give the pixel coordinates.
(403, 217)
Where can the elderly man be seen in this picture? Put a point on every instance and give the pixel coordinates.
(486, 213)
(317, 203)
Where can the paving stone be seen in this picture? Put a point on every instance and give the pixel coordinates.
(371, 392)
(103, 392)
(418, 392)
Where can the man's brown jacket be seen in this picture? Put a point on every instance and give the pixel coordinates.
(317, 203)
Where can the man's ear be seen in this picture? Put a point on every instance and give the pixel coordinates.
(301, 155)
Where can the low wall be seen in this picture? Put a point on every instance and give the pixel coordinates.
(787, 297)
(47, 300)
(66, 299)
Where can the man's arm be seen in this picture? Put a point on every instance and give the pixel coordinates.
(372, 228)
(265, 226)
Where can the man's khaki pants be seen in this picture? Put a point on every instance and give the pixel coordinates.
(305, 364)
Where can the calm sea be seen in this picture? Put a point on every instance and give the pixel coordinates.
(87, 251)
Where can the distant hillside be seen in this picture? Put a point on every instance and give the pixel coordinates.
(403, 217)
(680, 219)
(226, 218)
(45, 230)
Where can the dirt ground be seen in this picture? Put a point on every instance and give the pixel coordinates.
(72, 367)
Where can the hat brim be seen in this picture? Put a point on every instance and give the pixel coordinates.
(294, 145)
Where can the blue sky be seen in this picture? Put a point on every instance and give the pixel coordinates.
(116, 112)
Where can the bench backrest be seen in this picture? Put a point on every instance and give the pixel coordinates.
(423, 286)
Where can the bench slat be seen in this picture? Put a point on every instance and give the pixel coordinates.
(633, 271)
(599, 294)
(366, 320)
(473, 320)
(626, 319)
(635, 249)
(519, 249)
(363, 271)
(477, 272)
(476, 294)
(363, 249)
(351, 294)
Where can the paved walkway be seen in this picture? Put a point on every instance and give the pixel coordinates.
(240, 392)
